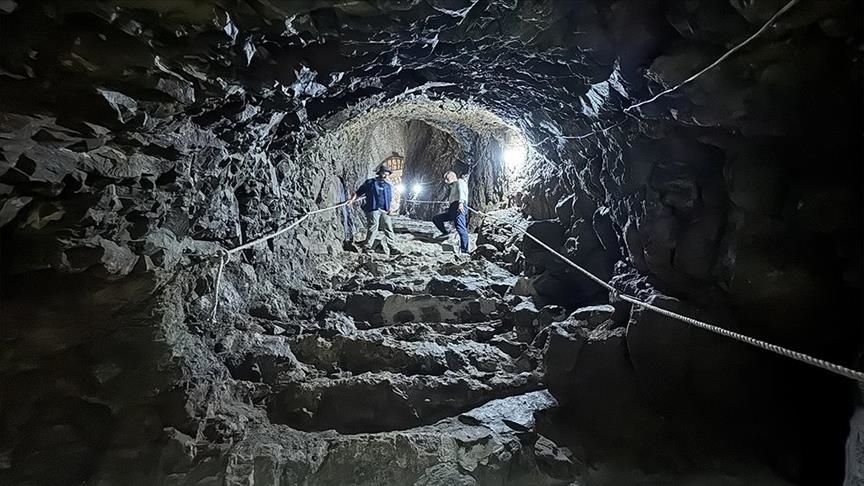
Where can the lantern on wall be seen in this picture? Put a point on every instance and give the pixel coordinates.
(396, 163)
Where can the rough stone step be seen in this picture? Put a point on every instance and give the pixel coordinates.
(375, 351)
(488, 442)
(380, 308)
(382, 401)
(425, 263)
(419, 229)
(442, 332)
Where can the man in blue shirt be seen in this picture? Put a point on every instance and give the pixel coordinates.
(379, 196)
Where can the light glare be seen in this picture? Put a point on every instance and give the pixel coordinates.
(417, 189)
(514, 157)
(400, 188)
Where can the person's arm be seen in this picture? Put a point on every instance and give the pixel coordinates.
(361, 191)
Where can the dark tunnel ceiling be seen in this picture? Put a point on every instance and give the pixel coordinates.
(312, 61)
(551, 67)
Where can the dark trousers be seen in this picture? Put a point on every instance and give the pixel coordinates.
(458, 219)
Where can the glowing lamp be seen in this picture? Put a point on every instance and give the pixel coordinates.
(514, 157)
(416, 189)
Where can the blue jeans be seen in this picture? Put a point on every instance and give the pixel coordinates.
(458, 219)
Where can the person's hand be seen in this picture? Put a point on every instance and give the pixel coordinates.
(461, 208)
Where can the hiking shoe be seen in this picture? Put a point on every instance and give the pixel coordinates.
(442, 237)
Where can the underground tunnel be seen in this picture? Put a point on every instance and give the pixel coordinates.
(186, 299)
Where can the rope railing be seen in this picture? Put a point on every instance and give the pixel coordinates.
(224, 255)
(291, 226)
(615, 295)
(420, 201)
(801, 357)
(629, 109)
(738, 47)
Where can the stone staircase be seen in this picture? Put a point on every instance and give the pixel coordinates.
(420, 349)
(427, 369)
(411, 345)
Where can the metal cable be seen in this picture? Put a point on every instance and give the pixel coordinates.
(804, 358)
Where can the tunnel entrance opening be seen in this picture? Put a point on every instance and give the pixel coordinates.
(432, 137)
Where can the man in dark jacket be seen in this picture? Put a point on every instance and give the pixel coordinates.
(377, 206)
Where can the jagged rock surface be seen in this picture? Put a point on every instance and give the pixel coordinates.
(136, 138)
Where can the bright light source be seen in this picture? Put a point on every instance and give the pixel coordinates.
(515, 156)
(417, 189)
(400, 188)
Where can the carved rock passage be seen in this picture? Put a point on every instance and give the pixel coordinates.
(137, 137)
(409, 357)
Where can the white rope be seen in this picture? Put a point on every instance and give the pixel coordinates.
(680, 85)
(719, 60)
(804, 358)
(223, 259)
(267, 237)
(418, 201)
(290, 226)
(551, 250)
(225, 255)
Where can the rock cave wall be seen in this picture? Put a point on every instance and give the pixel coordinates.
(136, 137)
(475, 157)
